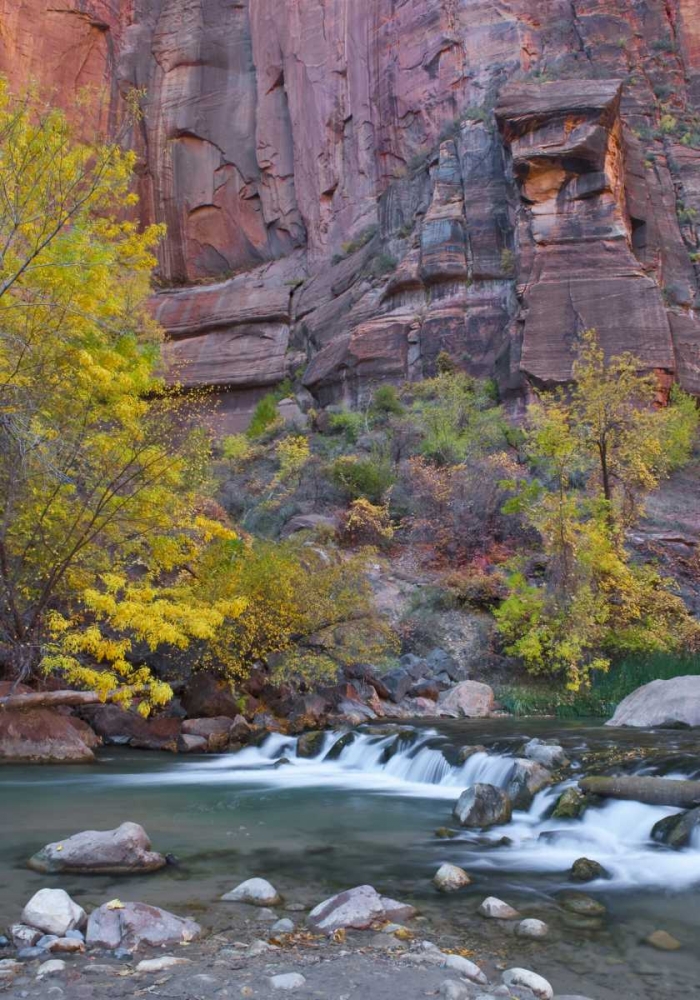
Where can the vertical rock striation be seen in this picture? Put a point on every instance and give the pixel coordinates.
(356, 187)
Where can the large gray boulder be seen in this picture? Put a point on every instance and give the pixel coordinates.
(482, 805)
(468, 699)
(546, 754)
(526, 779)
(357, 908)
(676, 831)
(53, 912)
(675, 702)
(133, 925)
(105, 852)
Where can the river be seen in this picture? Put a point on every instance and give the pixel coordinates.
(314, 826)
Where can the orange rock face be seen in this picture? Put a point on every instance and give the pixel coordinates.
(369, 183)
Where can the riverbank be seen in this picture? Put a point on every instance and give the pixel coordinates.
(316, 825)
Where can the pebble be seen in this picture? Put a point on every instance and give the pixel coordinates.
(465, 968)
(663, 941)
(101, 970)
(258, 948)
(29, 954)
(532, 928)
(161, 964)
(496, 909)
(266, 914)
(123, 954)
(283, 926)
(287, 981)
(66, 944)
(4, 942)
(51, 968)
(531, 981)
(45, 941)
(295, 907)
(451, 989)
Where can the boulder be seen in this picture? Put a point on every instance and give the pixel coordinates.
(86, 733)
(496, 909)
(214, 730)
(465, 752)
(53, 967)
(586, 870)
(317, 523)
(675, 702)
(571, 804)
(358, 909)
(117, 726)
(426, 688)
(53, 912)
(397, 683)
(127, 849)
(346, 740)
(468, 699)
(531, 981)
(549, 755)
(256, 891)
(482, 805)
(42, 736)
(310, 744)
(450, 878)
(526, 779)
(206, 696)
(676, 831)
(241, 730)
(192, 744)
(135, 925)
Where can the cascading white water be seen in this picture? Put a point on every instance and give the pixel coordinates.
(616, 834)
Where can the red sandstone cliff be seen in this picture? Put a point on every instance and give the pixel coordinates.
(517, 171)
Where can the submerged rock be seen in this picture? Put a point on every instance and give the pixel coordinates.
(482, 805)
(571, 804)
(587, 870)
(676, 831)
(450, 878)
(675, 702)
(346, 740)
(526, 779)
(123, 850)
(663, 941)
(582, 905)
(130, 926)
(465, 752)
(496, 909)
(357, 908)
(54, 912)
(531, 981)
(310, 744)
(256, 891)
(532, 928)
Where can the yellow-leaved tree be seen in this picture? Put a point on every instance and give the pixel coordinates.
(101, 517)
(596, 449)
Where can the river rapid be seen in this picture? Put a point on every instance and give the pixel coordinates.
(367, 812)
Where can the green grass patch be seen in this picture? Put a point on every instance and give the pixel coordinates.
(605, 693)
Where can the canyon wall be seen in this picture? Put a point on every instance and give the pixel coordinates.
(352, 187)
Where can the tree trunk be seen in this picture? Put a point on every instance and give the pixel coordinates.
(49, 699)
(653, 791)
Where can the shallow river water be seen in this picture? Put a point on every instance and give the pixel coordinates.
(314, 826)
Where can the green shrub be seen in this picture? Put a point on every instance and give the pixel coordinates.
(363, 477)
(236, 448)
(264, 415)
(348, 423)
(382, 264)
(386, 400)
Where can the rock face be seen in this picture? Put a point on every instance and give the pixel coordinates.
(364, 185)
(124, 850)
(133, 925)
(675, 702)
